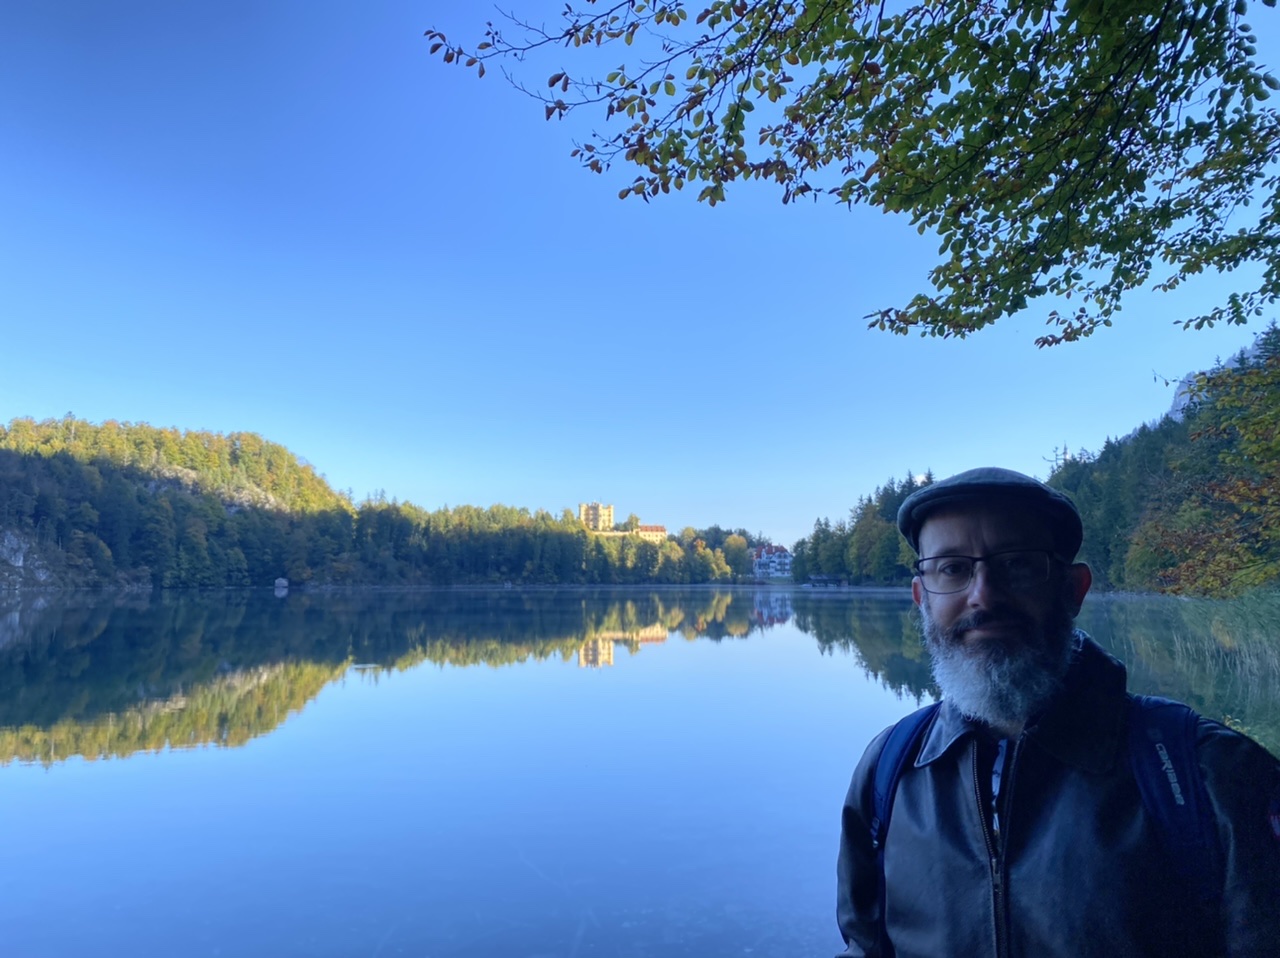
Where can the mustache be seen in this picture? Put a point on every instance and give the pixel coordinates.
(980, 617)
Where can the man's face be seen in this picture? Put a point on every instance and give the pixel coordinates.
(998, 653)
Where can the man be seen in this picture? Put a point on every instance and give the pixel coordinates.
(1018, 827)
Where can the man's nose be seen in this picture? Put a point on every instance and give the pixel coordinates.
(983, 587)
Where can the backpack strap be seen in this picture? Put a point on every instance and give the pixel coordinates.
(1162, 753)
(903, 742)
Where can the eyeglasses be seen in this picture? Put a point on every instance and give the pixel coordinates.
(1016, 570)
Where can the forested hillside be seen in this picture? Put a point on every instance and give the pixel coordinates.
(1190, 504)
(130, 504)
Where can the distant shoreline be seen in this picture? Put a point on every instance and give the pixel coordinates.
(313, 589)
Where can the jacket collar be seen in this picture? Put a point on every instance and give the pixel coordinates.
(1082, 727)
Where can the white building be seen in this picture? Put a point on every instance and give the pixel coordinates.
(768, 562)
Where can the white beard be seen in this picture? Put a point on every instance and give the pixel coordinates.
(1003, 686)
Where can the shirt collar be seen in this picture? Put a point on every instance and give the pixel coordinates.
(1083, 726)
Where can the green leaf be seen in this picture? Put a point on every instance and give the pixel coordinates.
(1039, 142)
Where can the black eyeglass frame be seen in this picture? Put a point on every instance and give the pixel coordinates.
(1050, 558)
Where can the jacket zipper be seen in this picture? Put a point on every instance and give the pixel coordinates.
(998, 895)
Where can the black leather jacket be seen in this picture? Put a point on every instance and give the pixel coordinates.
(1077, 869)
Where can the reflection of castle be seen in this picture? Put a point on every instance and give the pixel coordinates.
(649, 634)
(223, 691)
(597, 651)
(771, 608)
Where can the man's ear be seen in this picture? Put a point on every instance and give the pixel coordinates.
(917, 592)
(1079, 578)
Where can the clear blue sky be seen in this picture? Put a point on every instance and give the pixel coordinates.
(286, 218)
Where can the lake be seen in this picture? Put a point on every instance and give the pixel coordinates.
(481, 773)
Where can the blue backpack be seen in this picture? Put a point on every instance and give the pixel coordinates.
(1162, 754)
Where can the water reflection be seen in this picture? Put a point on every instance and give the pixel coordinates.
(878, 628)
(100, 678)
(97, 678)
(595, 653)
(1220, 657)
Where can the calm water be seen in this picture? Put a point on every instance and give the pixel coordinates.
(479, 774)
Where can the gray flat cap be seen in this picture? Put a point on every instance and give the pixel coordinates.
(1005, 485)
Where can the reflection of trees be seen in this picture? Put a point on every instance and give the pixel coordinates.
(108, 678)
(1220, 657)
(98, 678)
(231, 710)
(879, 629)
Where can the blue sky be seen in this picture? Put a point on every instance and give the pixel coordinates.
(286, 218)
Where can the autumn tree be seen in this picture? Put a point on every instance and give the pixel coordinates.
(737, 554)
(1190, 504)
(1225, 537)
(1058, 149)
